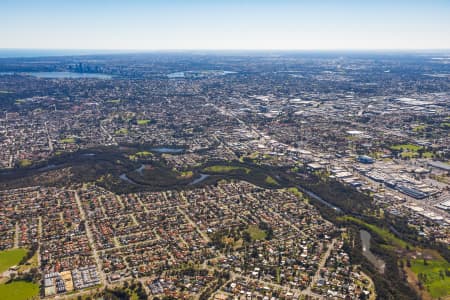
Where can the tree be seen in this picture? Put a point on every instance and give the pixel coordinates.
(269, 232)
(246, 237)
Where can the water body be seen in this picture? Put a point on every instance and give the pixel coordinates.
(200, 179)
(88, 154)
(124, 177)
(48, 167)
(365, 239)
(61, 75)
(199, 73)
(167, 150)
(140, 169)
(312, 195)
(176, 75)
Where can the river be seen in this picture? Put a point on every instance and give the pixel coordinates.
(167, 150)
(318, 198)
(125, 178)
(200, 179)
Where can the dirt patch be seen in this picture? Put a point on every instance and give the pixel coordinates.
(413, 282)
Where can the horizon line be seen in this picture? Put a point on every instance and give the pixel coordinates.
(226, 49)
(34, 53)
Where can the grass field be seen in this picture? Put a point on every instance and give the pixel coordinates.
(256, 233)
(140, 154)
(19, 290)
(436, 282)
(406, 154)
(427, 155)
(9, 258)
(295, 191)
(225, 169)
(383, 233)
(419, 128)
(410, 154)
(186, 174)
(67, 141)
(134, 296)
(122, 131)
(143, 122)
(144, 154)
(407, 147)
(25, 163)
(270, 180)
(411, 151)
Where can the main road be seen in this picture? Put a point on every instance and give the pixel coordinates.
(91, 239)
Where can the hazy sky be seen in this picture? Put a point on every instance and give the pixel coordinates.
(225, 24)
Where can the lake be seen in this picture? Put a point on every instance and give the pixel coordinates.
(167, 150)
(176, 75)
(199, 73)
(60, 75)
(365, 239)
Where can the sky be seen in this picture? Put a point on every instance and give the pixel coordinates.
(225, 24)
